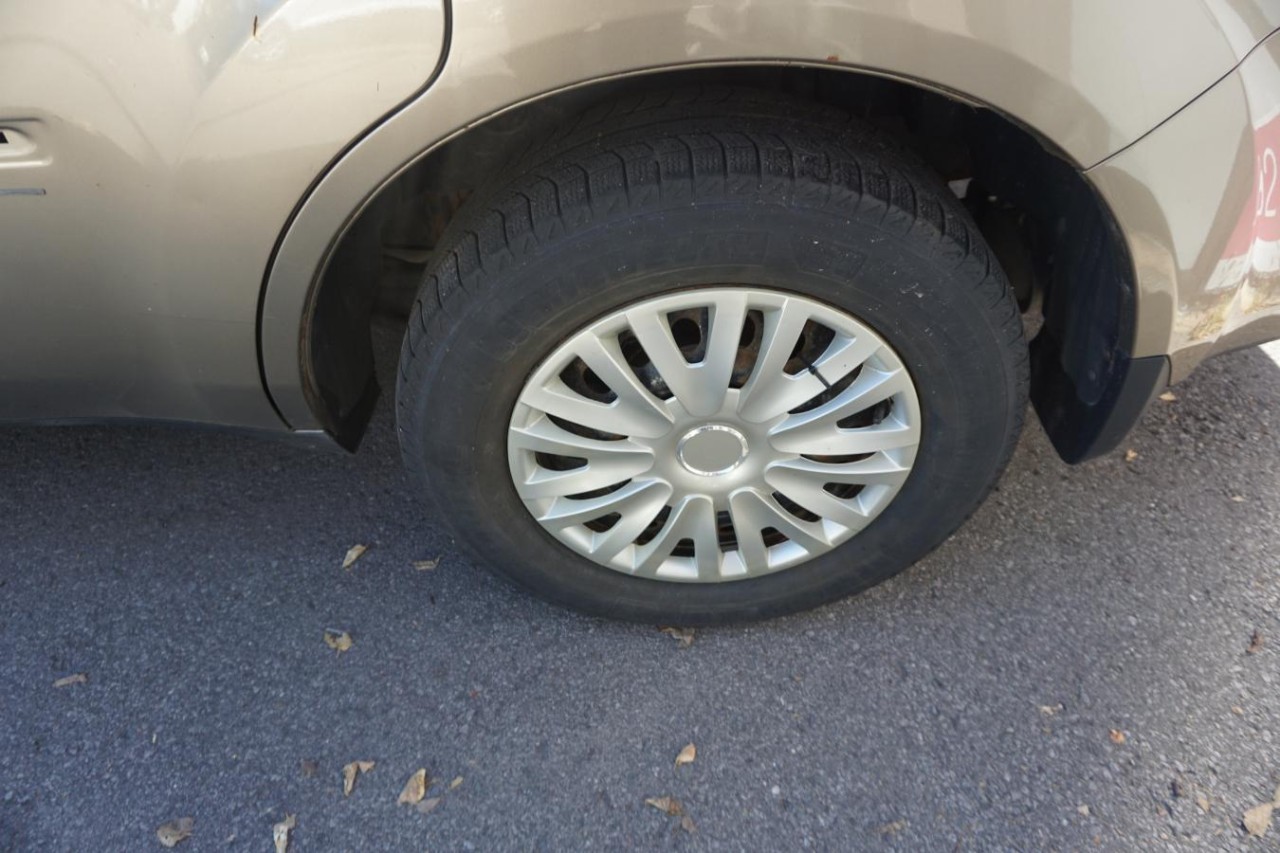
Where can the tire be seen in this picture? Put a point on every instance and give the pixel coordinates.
(662, 196)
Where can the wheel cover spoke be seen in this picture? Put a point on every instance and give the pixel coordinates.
(770, 391)
(713, 435)
(700, 386)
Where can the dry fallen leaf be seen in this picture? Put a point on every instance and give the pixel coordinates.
(280, 833)
(687, 824)
(1082, 810)
(683, 635)
(1050, 710)
(415, 789)
(1118, 736)
(426, 565)
(350, 772)
(68, 680)
(455, 783)
(428, 806)
(339, 641)
(670, 805)
(1168, 396)
(1203, 802)
(175, 831)
(1130, 455)
(687, 755)
(1258, 819)
(1255, 643)
(353, 554)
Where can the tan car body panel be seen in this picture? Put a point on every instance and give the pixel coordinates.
(173, 156)
(1199, 203)
(171, 140)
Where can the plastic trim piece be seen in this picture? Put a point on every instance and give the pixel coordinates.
(1081, 430)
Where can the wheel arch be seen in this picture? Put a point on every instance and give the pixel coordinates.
(318, 308)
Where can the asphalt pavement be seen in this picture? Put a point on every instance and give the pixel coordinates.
(1071, 670)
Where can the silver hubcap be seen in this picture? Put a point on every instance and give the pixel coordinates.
(713, 435)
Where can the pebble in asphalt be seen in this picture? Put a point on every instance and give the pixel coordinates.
(192, 574)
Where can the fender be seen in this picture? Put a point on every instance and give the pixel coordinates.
(1018, 58)
(171, 142)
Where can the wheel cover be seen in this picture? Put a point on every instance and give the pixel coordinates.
(714, 435)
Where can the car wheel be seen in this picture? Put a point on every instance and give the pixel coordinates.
(715, 359)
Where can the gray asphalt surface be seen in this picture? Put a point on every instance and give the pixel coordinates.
(191, 575)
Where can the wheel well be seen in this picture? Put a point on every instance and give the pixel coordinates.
(1054, 236)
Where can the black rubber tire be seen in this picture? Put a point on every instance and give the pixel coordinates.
(697, 188)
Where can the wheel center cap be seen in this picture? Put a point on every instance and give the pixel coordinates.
(712, 449)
